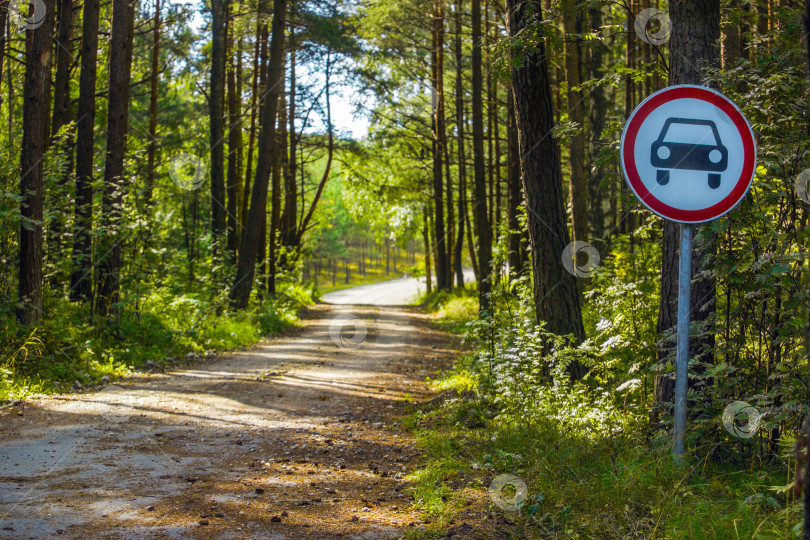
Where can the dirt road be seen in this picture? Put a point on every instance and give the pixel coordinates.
(293, 439)
(395, 292)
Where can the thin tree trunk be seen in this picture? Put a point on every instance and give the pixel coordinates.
(597, 118)
(80, 278)
(330, 151)
(34, 141)
(120, 60)
(234, 142)
(151, 149)
(260, 46)
(480, 209)
(695, 34)
(437, 94)
(515, 194)
(577, 183)
(3, 23)
(806, 472)
(61, 117)
(470, 241)
(556, 296)
(64, 58)
(216, 99)
(275, 194)
(426, 240)
(243, 284)
(462, 164)
(290, 224)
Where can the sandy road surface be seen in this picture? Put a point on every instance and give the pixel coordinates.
(396, 292)
(292, 439)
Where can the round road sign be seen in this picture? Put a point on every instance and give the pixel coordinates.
(688, 153)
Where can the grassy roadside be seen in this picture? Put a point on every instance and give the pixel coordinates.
(560, 470)
(68, 352)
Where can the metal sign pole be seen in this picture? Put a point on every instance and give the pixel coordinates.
(682, 358)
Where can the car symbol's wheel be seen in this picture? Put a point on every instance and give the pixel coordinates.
(662, 177)
(714, 180)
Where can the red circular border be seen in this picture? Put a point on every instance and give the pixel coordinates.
(634, 179)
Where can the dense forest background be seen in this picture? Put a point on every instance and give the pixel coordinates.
(172, 181)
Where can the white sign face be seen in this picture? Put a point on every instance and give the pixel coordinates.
(688, 154)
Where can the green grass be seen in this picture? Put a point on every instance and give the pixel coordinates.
(451, 310)
(586, 487)
(611, 480)
(165, 329)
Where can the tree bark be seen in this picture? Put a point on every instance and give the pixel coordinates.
(260, 48)
(216, 115)
(482, 223)
(245, 270)
(3, 40)
(290, 220)
(597, 119)
(437, 99)
(61, 82)
(279, 160)
(577, 184)
(732, 35)
(34, 142)
(557, 299)
(120, 61)
(694, 39)
(80, 278)
(330, 151)
(234, 143)
(462, 163)
(515, 256)
(151, 150)
(61, 116)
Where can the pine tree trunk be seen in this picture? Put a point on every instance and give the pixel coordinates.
(330, 152)
(482, 223)
(61, 81)
(437, 94)
(695, 34)
(151, 149)
(577, 183)
(61, 117)
(462, 164)
(556, 295)
(243, 284)
(515, 257)
(257, 57)
(290, 221)
(120, 61)
(279, 159)
(216, 100)
(234, 144)
(34, 142)
(3, 40)
(80, 278)
(597, 119)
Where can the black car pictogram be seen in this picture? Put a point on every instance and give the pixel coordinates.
(686, 143)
